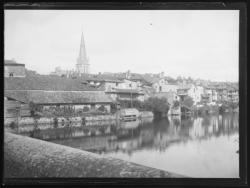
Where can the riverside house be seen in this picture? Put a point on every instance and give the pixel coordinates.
(48, 92)
(126, 94)
(191, 90)
(108, 83)
(74, 100)
(210, 95)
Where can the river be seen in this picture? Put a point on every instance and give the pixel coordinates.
(196, 146)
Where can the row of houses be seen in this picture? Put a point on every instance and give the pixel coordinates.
(102, 90)
(141, 88)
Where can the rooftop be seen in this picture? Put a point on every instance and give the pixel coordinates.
(104, 78)
(58, 97)
(41, 82)
(12, 63)
(132, 91)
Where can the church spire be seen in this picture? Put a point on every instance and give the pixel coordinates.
(82, 65)
(82, 52)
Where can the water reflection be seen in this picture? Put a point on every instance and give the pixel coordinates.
(196, 146)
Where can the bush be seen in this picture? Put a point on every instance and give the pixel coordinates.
(176, 104)
(34, 108)
(188, 101)
(159, 106)
(135, 104)
(13, 125)
(102, 108)
(85, 109)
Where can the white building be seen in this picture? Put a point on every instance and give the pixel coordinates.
(191, 90)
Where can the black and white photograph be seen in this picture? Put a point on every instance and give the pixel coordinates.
(121, 93)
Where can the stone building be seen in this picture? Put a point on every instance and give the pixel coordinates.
(126, 94)
(13, 69)
(191, 90)
(46, 100)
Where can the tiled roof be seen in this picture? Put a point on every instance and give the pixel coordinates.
(184, 87)
(45, 83)
(59, 97)
(12, 63)
(150, 79)
(103, 78)
(133, 91)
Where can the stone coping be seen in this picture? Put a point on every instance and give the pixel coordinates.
(26, 157)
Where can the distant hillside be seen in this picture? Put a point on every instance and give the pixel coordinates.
(42, 82)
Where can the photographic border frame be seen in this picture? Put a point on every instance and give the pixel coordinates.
(180, 5)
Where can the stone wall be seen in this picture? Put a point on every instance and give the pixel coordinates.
(26, 157)
(27, 124)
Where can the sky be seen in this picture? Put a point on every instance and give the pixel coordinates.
(196, 43)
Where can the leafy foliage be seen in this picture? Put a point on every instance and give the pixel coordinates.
(176, 104)
(188, 101)
(134, 104)
(159, 106)
(85, 109)
(102, 108)
(34, 108)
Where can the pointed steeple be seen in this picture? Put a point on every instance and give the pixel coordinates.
(82, 65)
(82, 52)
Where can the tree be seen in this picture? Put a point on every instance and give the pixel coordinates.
(34, 108)
(176, 104)
(85, 109)
(102, 108)
(159, 106)
(188, 101)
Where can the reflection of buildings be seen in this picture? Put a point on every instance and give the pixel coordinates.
(163, 134)
(132, 136)
(197, 130)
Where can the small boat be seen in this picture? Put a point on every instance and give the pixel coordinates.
(129, 114)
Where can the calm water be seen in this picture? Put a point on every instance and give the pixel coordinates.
(195, 147)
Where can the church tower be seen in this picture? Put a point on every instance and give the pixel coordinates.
(82, 65)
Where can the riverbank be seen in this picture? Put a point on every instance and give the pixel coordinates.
(26, 157)
(27, 124)
(214, 109)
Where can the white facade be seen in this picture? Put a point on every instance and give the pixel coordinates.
(128, 84)
(212, 93)
(195, 93)
(169, 88)
(158, 86)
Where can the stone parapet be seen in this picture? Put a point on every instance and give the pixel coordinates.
(26, 157)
